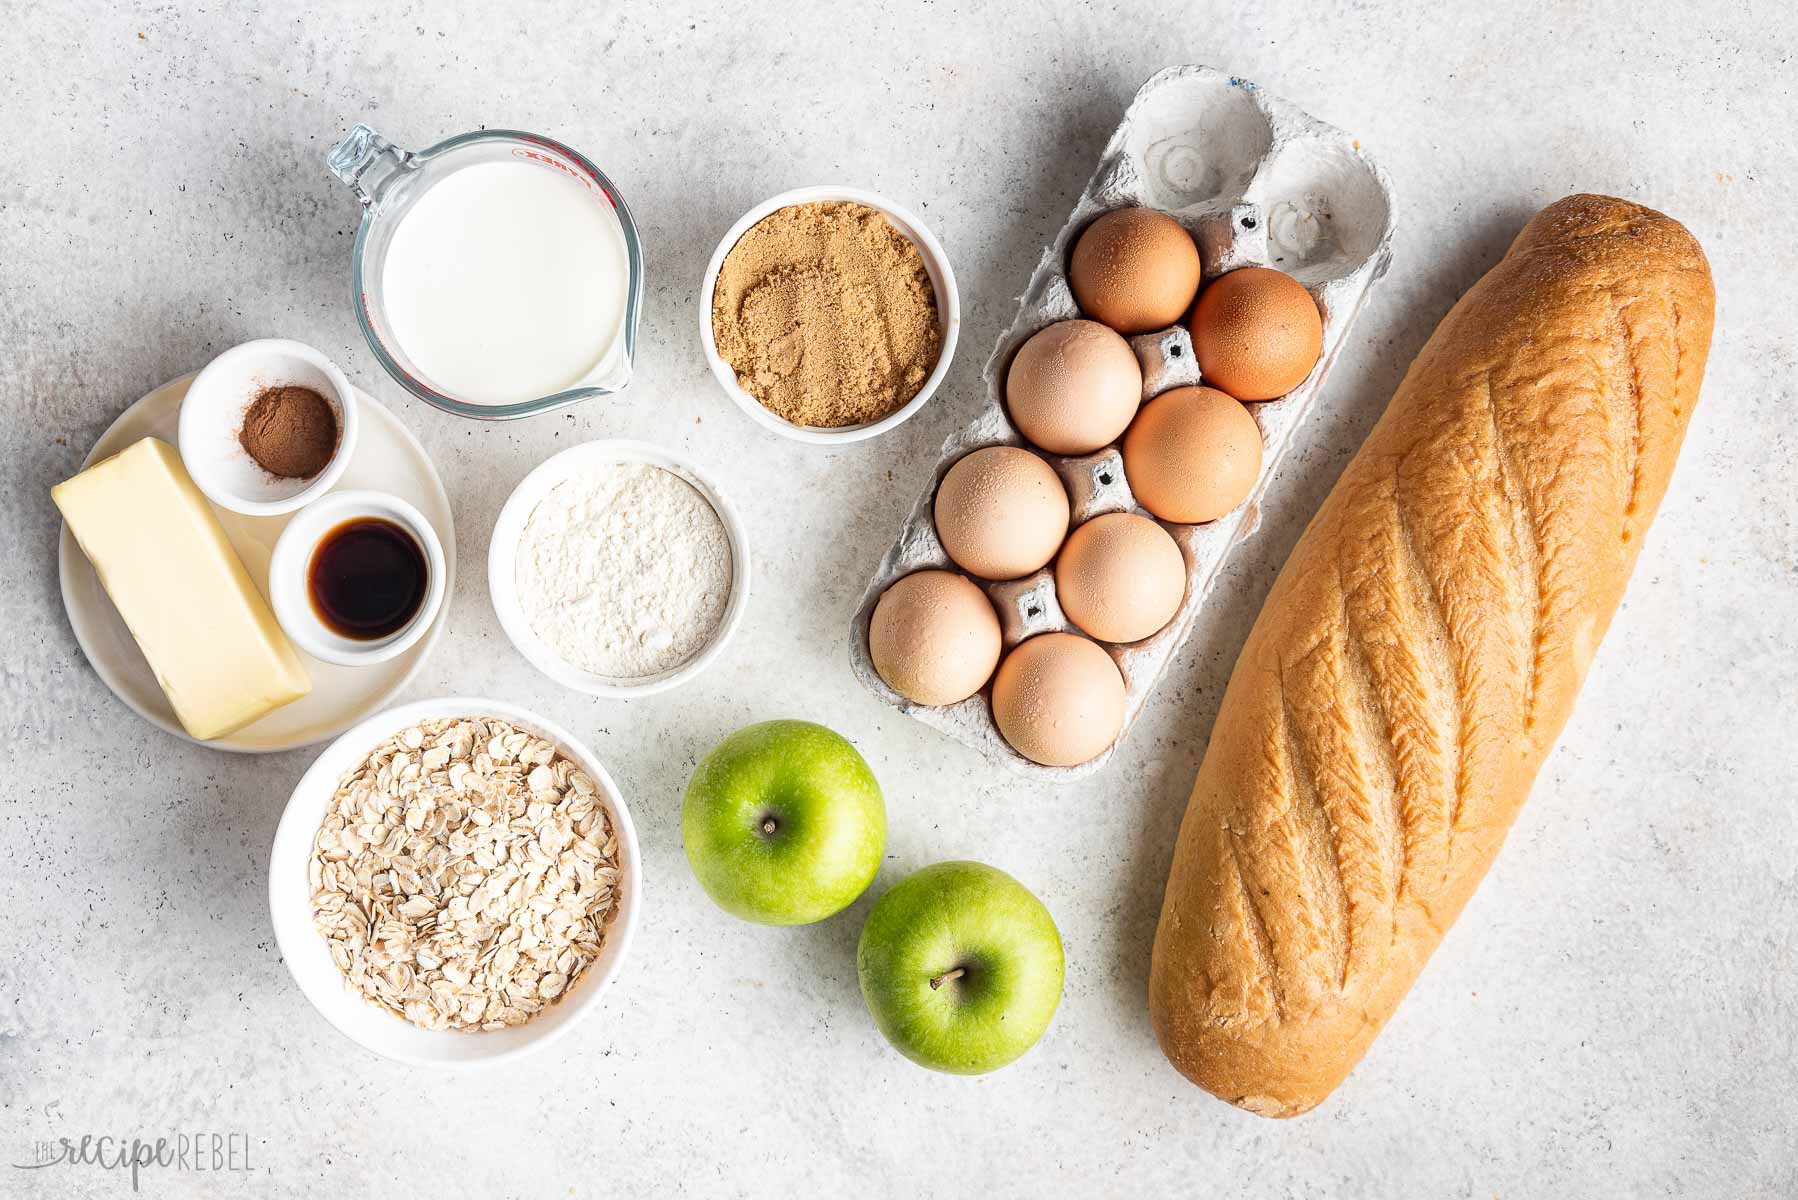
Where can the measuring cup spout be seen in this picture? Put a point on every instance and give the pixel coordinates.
(367, 163)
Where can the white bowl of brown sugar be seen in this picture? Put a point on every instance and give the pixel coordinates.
(830, 314)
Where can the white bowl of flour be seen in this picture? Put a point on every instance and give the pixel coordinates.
(618, 569)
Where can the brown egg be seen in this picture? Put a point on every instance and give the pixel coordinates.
(1135, 269)
(1192, 455)
(1058, 699)
(1256, 333)
(1073, 387)
(1001, 512)
(1120, 577)
(934, 638)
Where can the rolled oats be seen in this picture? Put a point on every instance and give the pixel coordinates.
(465, 875)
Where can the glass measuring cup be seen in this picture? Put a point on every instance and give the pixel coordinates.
(389, 181)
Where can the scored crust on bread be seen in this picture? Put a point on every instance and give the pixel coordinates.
(1421, 650)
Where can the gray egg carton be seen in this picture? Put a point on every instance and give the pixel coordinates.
(1256, 181)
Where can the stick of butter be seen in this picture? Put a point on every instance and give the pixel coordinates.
(172, 574)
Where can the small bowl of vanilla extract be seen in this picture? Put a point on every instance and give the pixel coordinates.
(357, 577)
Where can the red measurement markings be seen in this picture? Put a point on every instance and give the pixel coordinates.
(581, 177)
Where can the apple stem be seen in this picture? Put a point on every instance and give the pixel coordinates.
(768, 825)
(945, 977)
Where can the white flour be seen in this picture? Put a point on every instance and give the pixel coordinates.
(624, 571)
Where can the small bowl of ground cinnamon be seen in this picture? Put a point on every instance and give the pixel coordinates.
(830, 314)
(267, 427)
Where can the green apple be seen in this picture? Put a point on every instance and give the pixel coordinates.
(961, 966)
(783, 823)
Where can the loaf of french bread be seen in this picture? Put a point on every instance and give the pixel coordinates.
(1421, 650)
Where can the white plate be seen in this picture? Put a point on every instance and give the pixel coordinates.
(387, 457)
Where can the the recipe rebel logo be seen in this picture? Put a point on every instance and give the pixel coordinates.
(137, 1157)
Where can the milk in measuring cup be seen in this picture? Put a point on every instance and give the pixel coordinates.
(506, 281)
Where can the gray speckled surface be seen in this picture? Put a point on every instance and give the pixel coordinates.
(1617, 1011)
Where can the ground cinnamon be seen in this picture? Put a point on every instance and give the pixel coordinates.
(290, 431)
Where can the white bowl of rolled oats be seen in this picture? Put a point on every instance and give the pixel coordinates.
(454, 881)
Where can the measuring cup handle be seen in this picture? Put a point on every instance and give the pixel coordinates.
(366, 161)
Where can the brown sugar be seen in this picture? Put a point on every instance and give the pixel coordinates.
(826, 314)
